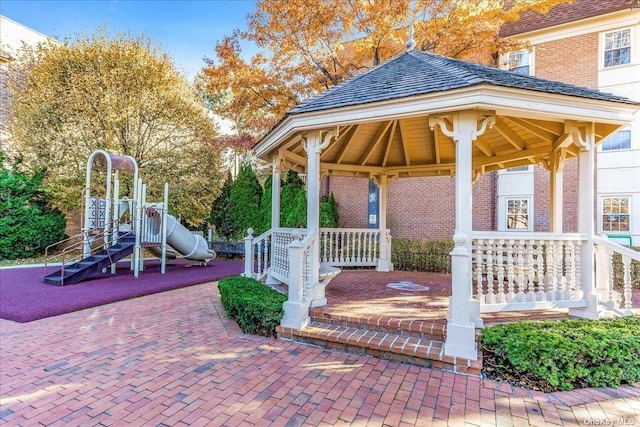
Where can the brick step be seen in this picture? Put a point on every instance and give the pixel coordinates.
(385, 345)
(418, 328)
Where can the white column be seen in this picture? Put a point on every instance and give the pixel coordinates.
(313, 148)
(464, 312)
(384, 262)
(586, 222)
(556, 190)
(275, 194)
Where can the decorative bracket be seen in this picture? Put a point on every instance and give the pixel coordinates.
(325, 142)
(277, 164)
(486, 121)
(575, 130)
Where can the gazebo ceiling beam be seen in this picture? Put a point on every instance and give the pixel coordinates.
(417, 170)
(346, 144)
(382, 130)
(563, 141)
(484, 147)
(403, 142)
(387, 149)
(511, 157)
(507, 133)
(534, 129)
(436, 145)
(292, 157)
(352, 168)
(344, 134)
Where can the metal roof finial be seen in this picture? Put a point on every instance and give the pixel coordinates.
(411, 43)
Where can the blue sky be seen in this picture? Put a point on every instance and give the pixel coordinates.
(188, 30)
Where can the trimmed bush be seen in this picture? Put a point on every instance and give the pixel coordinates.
(256, 307)
(563, 355)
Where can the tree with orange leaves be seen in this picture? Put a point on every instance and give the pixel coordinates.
(314, 46)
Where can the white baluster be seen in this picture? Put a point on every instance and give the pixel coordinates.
(510, 272)
(561, 279)
(568, 270)
(552, 284)
(578, 272)
(626, 265)
(611, 302)
(520, 260)
(500, 262)
(542, 296)
(479, 290)
(491, 290)
(259, 259)
(531, 271)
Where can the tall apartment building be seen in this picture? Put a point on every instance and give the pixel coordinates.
(596, 44)
(591, 43)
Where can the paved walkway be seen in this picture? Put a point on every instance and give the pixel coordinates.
(174, 359)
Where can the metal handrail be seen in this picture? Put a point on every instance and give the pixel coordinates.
(79, 246)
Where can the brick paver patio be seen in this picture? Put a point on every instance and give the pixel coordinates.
(174, 359)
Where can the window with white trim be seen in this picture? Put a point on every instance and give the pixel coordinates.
(518, 214)
(519, 62)
(615, 214)
(617, 48)
(620, 140)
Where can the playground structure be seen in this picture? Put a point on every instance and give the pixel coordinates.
(115, 227)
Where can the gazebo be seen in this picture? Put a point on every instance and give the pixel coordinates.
(421, 115)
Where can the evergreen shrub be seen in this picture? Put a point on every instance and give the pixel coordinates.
(563, 355)
(27, 223)
(257, 308)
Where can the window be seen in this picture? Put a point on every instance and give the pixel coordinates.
(617, 48)
(517, 214)
(615, 214)
(525, 168)
(519, 62)
(620, 140)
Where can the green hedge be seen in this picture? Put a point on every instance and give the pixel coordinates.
(430, 255)
(256, 307)
(563, 355)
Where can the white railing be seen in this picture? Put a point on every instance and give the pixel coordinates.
(352, 247)
(616, 291)
(527, 271)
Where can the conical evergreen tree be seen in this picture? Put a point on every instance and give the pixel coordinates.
(329, 211)
(244, 211)
(265, 205)
(219, 215)
(293, 203)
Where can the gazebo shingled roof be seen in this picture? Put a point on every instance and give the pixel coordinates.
(416, 73)
(384, 119)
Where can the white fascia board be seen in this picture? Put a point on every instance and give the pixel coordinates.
(594, 24)
(502, 100)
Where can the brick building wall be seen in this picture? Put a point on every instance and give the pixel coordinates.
(571, 60)
(424, 207)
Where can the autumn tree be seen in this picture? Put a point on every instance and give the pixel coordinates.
(121, 94)
(314, 46)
